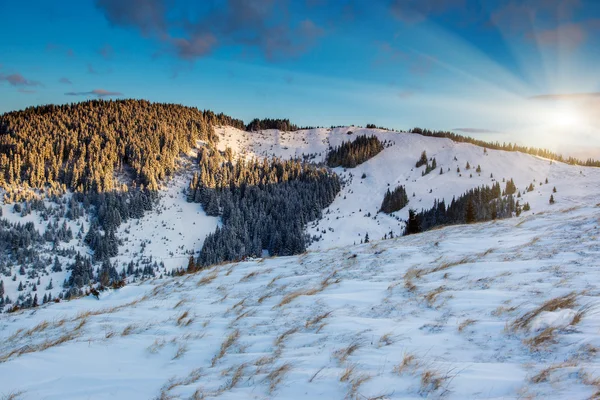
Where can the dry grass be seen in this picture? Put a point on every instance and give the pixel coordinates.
(276, 376)
(324, 284)
(355, 383)
(288, 298)
(249, 276)
(348, 372)
(466, 323)
(179, 303)
(172, 383)
(409, 361)
(128, 330)
(431, 382)
(231, 339)
(156, 346)
(208, 278)
(281, 338)
(431, 296)
(567, 301)
(386, 340)
(542, 340)
(237, 377)
(343, 353)
(184, 319)
(181, 350)
(316, 320)
(12, 395)
(544, 374)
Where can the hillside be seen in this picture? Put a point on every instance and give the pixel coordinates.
(157, 242)
(510, 314)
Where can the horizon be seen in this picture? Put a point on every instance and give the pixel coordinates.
(515, 71)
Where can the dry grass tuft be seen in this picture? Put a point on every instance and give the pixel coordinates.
(542, 339)
(316, 320)
(179, 303)
(355, 383)
(567, 301)
(348, 372)
(544, 374)
(249, 276)
(431, 382)
(386, 340)
(12, 395)
(281, 338)
(343, 353)
(409, 361)
(431, 296)
(276, 376)
(237, 377)
(181, 350)
(208, 278)
(231, 339)
(466, 323)
(128, 330)
(156, 346)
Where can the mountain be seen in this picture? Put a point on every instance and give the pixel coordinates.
(243, 261)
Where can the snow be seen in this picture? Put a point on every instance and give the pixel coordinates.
(553, 319)
(474, 282)
(448, 298)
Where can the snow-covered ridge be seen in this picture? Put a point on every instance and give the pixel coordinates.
(504, 309)
(347, 219)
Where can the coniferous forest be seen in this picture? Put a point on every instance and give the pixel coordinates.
(84, 146)
(477, 205)
(351, 154)
(264, 205)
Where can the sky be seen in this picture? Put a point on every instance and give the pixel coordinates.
(520, 71)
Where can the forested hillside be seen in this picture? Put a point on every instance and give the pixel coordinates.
(264, 204)
(84, 146)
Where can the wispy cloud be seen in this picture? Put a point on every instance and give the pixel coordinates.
(567, 96)
(18, 80)
(66, 81)
(96, 92)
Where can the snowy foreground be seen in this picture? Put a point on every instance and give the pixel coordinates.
(505, 309)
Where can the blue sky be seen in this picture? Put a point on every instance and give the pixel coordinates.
(506, 70)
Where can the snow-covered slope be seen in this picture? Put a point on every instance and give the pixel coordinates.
(452, 312)
(175, 229)
(355, 210)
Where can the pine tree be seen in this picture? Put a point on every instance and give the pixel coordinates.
(470, 213)
(367, 237)
(20, 288)
(478, 170)
(551, 199)
(413, 225)
(554, 189)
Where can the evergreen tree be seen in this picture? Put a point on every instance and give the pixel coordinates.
(394, 201)
(551, 199)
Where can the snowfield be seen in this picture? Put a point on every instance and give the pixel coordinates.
(499, 310)
(506, 309)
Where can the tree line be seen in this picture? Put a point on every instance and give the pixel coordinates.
(477, 205)
(545, 153)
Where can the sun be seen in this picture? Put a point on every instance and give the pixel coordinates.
(565, 117)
